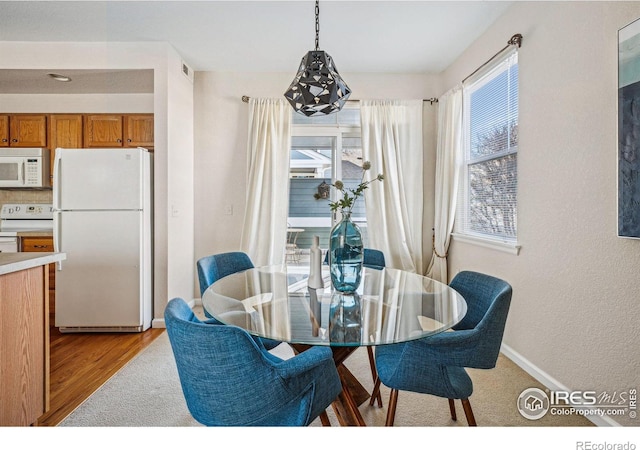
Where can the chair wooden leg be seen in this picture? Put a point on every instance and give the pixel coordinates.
(452, 408)
(468, 412)
(324, 419)
(374, 375)
(376, 392)
(391, 412)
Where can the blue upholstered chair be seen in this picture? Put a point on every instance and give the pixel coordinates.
(435, 365)
(229, 379)
(212, 268)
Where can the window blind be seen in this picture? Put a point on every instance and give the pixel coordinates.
(488, 204)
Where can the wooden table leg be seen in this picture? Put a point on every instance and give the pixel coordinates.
(353, 393)
(347, 409)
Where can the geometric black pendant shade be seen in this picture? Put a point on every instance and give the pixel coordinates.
(317, 89)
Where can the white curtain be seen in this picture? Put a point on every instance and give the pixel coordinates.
(448, 151)
(392, 141)
(264, 231)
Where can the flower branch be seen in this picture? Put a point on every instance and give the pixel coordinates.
(348, 195)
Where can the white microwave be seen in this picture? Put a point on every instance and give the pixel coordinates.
(25, 168)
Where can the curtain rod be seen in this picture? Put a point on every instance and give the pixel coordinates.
(516, 39)
(431, 100)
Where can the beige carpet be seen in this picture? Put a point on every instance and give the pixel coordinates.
(146, 393)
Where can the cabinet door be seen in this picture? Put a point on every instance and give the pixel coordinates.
(4, 131)
(102, 130)
(28, 130)
(138, 130)
(65, 130)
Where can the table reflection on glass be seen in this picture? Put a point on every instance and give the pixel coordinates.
(390, 306)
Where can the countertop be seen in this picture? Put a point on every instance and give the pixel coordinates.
(39, 233)
(14, 262)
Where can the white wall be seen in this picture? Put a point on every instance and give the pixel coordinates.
(173, 146)
(221, 121)
(574, 314)
(179, 182)
(76, 103)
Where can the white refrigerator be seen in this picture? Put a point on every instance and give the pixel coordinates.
(102, 221)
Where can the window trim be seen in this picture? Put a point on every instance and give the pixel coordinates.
(487, 242)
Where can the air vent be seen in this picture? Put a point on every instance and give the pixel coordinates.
(187, 71)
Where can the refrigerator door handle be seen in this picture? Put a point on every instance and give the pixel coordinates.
(56, 235)
(57, 167)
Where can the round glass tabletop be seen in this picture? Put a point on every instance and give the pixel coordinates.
(390, 306)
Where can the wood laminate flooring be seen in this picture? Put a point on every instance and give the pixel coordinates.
(82, 362)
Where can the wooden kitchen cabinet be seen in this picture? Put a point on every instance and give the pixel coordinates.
(76, 131)
(103, 130)
(4, 131)
(24, 334)
(27, 130)
(42, 244)
(114, 130)
(138, 130)
(65, 131)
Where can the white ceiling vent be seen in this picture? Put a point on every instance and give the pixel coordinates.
(187, 71)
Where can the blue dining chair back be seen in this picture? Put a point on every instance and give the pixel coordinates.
(214, 267)
(436, 364)
(488, 300)
(371, 258)
(229, 379)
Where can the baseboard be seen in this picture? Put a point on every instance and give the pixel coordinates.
(550, 382)
(159, 323)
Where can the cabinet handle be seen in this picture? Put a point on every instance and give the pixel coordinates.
(128, 140)
(5, 140)
(14, 140)
(40, 246)
(118, 140)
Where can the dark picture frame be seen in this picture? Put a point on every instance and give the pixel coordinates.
(629, 130)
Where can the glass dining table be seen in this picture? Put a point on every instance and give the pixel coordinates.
(390, 306)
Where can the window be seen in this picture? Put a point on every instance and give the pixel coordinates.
(487, 207)
(323, 149)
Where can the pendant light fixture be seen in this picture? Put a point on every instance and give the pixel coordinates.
(317, 88)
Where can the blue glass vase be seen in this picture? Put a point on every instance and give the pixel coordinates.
(345, 318)
(345, 255)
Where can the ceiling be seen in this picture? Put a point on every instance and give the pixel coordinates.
(265, 36)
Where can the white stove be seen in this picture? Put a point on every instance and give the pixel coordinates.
(16, 218)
